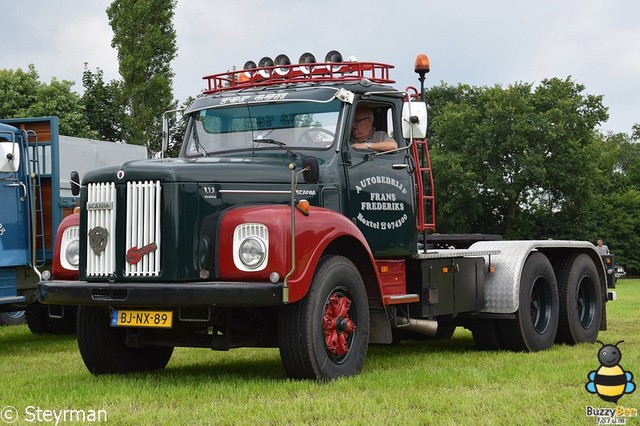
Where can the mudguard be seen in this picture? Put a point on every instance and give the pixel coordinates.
(503, 285)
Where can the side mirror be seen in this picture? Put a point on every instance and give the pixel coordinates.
(9, 157)
(312, 174)
(414, 120)
(75, 183)
(165, 134)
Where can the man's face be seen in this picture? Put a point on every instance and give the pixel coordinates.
(362, 125)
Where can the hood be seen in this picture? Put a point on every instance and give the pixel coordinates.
(203, 169)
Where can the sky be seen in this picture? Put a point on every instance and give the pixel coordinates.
(481, 43)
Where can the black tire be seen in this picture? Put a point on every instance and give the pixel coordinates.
(103, 347)
(12, 318)
(580, 300)
(335, 308)
(536, 323)
(37, 318)
(486, 335)
(64, 325)
(39, 321)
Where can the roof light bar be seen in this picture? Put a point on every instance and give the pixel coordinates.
(281, 71)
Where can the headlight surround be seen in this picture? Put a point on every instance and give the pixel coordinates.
(70, 248)
(251, 247)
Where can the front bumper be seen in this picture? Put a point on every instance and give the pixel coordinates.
(148, 294)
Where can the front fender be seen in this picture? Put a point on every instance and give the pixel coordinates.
(314, 233)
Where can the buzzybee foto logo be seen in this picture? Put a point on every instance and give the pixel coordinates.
(610, 382)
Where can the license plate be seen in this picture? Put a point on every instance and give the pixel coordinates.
(153, 319)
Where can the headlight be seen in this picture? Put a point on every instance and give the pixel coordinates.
(251, 246)
(72, 253)
(252, 252)
(70, 248)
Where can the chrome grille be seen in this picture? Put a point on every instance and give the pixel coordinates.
(142, 237)
(101, 225)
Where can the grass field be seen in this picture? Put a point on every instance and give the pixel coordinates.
(414, 383)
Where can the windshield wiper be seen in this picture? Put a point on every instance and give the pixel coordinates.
(275, 142)
(270, 141)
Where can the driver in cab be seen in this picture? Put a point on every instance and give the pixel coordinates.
(364, 136)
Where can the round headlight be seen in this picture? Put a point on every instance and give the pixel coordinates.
(252, 252)
(72, 253)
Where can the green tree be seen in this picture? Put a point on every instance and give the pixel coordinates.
(505, 156)
(103, 109)
(25, 96)
(19, 91)
(146, 44)
(614, 209)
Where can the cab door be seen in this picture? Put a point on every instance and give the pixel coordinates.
(381, 199)
(14, 214)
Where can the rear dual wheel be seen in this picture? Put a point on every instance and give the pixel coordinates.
(581, 300)
(568, 309)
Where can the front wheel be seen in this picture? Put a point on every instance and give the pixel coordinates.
(103, 347)
(39, 321)
(326, 334)
(536, 322)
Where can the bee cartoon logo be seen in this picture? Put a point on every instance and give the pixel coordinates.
(610, 381)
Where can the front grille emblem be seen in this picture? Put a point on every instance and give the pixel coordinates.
(98, 238)
(134, 254)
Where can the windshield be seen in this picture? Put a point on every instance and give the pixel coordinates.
(287, 125)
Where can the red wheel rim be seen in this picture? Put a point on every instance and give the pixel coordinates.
(338, 325)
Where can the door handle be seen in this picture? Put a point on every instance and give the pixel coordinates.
(24, 189)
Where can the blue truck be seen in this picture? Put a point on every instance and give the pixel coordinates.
(35, 195)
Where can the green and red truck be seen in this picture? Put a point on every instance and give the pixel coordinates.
(271, 230)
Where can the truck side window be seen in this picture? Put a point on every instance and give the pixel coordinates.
(372, 128)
